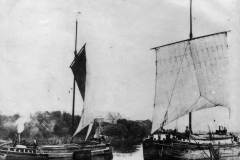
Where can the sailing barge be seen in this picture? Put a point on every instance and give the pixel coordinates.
(191, 75)
(80, 71)
(87, 149)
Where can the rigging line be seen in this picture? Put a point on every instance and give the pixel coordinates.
(175, 83)
(187, 111)
(178, 73)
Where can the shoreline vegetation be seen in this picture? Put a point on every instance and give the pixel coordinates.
(55, 128)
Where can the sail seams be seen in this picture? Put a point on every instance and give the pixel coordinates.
(224, 32)
(77, 55)
(187, 82)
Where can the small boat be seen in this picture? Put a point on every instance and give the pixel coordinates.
(20, 152)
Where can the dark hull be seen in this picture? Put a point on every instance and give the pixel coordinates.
(60, 154)
(76, 152)
(18, 155)
(154, 150)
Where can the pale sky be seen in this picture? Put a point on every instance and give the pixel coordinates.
(37, 43)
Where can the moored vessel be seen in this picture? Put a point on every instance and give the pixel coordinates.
(191, 75)
(85, 149)
(9, 151)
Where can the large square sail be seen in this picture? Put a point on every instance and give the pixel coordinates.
(190, 75)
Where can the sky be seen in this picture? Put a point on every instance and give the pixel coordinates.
(37, 44)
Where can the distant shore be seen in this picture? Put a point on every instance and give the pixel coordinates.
(55, 128)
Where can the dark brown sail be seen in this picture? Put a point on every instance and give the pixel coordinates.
(78, 67)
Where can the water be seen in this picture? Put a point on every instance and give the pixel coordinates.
(137, 155)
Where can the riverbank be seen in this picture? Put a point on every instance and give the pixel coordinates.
(55, 128)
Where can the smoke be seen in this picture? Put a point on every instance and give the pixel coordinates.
(21, 122)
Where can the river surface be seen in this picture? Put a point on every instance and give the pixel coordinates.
(137, 155)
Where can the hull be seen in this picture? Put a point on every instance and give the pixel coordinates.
(61, 152)
(98, 154)
(102, 152)
(21, 154)
(153, 150)
(76, 152)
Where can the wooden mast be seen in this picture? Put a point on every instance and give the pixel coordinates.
(73, 102)
(190, 36)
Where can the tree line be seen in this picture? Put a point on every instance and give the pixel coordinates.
(46, 125)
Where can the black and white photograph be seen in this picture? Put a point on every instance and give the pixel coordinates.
(119, 80)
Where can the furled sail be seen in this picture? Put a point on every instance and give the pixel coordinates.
(190, 75)
(79, 69)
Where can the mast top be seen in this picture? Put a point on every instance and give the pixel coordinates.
(75, 51)
(190, 34)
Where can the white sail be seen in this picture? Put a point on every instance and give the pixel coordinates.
(87, 119)
(190, 75)
(89, 130)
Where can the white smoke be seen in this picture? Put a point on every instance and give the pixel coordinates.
(21, 122)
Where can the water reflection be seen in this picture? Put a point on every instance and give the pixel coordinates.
(136, 155)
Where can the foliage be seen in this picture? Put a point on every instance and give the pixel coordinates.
(41, 125)
(127, 133)
(55, 127)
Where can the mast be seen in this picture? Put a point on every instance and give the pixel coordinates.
(73, 102)
(190, 36)
(155, 94)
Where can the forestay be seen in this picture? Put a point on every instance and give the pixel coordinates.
(190, 75)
